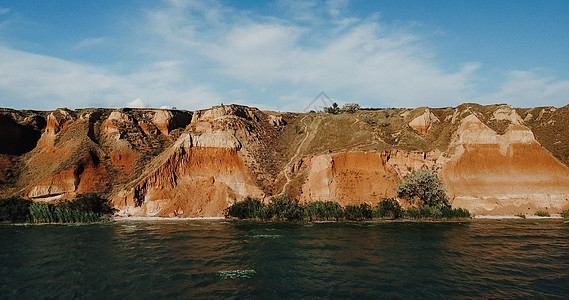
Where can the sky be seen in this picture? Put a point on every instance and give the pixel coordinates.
(279, 55)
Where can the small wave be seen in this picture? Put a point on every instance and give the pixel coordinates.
(266, 236)
(129, 228)
(234, 274)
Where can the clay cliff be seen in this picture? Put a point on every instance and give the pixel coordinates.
(493, 160)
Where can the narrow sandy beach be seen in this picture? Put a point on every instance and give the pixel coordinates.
(124, 218)
(553, 216)
(482, 217)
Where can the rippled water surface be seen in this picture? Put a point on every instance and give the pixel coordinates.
(220, 259)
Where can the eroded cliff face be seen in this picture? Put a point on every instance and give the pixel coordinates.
(200, 176)
(505, 174)
(356, 177)
(154, 162)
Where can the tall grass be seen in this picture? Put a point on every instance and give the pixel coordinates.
(86, 208)
(49, 213)
(42, 212)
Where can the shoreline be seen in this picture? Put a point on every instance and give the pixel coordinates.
(478, 217)
(504, 217)
(124, 218)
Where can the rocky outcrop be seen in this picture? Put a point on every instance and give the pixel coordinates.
(168, 120)
(424, 122)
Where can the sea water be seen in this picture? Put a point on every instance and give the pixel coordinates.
(240, 259)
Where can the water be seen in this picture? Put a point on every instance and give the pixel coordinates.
(221, 259)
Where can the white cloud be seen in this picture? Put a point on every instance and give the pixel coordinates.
(360, 59)
(137, 103)
(336, 7)
(194, 54)
(4, 11)
(300, 10)
(88, 43)
(529, 89)
(31, 81)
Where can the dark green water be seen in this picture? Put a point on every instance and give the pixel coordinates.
(220, 259)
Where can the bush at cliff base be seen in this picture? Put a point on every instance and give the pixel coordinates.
(425, 212)
(323, 210)
(283, 208)
(358, 212)
(247, 209)
(388, 209)
(15, 210)
(86, 208)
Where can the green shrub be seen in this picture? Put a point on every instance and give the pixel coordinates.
(15, 209)
(247, 209)
(350, 108)
(369, 119)
(425, 212)
(455, 213)
(283, 208)
(426, 186)
(388, 209)
(565, 214)
(358, 212)
(542, 213)
(321, 210)
(334, 109)
(89, 203)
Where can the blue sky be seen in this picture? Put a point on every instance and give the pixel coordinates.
(279, 55)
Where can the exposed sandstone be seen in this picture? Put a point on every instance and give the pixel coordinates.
(88, 176)
(489, 173)
(168, 120)
(424, 122)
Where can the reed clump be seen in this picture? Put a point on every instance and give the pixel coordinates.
(85, 208)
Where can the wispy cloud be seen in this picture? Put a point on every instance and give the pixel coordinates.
(42, 82)
(88, 43)
(360, 58)
(529, 89)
